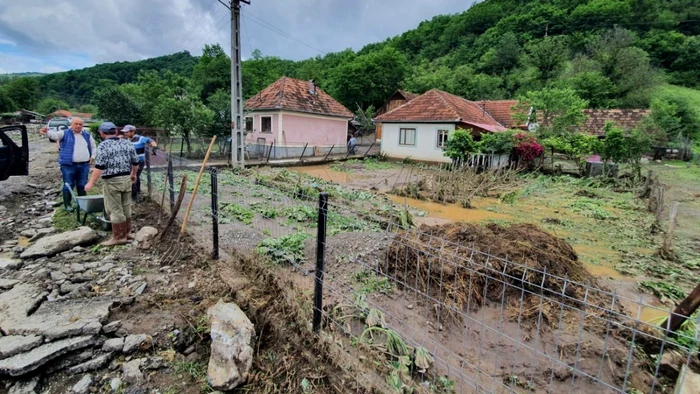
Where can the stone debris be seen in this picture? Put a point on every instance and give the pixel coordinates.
(231, 351)
(54, 244)
(25, 387)
(15, 344)
(113, 345)
(10, 264)
(21, 364)
(62, 319)
(133, 342)
(146, 234)
(83, 385)
(91, 365)
(115, 384)
(111, 326)
(18, 302)
(70, 360)
(131, 371)
(7, 284)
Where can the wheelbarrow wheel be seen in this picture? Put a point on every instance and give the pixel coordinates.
(105, 223)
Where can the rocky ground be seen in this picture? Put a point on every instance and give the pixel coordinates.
(79, 318)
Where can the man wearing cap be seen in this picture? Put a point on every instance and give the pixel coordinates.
(140, 143)
(76, 151)
(117, 164)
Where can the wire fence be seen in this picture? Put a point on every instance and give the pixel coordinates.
(446, 314)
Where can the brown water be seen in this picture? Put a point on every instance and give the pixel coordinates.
(324, 172)
(23, 242)
(450, 212)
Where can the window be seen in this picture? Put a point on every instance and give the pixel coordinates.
(407, 137)
(442, 136)
(266, 124)
(248, 125)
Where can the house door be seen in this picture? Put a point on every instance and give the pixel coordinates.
(379, 132)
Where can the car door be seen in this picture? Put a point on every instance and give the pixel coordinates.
(14, 159)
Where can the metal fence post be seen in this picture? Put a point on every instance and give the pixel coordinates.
(370, 148)
(215, 213)
(171, 181)
(301, 158)
(320, 259)
(329, 153)
(148, 171)
(182, 146)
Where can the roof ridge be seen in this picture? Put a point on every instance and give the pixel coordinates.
(449, 105)
(283, 82)
(484, 110)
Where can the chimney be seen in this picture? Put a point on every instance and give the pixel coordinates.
(312, 87)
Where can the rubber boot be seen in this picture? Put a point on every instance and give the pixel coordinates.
(129, 237)
(118, 235)
(67, 201)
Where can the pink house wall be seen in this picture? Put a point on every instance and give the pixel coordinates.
(257, 126)
(298, 129)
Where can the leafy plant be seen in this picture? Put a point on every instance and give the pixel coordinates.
(242, 214)
(663, 290)
(286, 249)
(497, 143)
(371, 283)
(459, 145)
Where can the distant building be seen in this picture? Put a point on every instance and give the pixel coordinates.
(399, 98)
(420, 128)
(625, 119)
(61, 113)
(292, 113)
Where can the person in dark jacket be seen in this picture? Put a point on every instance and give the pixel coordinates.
(77, 151)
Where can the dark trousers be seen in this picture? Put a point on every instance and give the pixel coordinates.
(136, 186)
(351, 148)
(76, 175)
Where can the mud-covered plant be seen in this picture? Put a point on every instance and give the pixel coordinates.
(286, 249)
(422, 359)
(394, 345)
(375, 318)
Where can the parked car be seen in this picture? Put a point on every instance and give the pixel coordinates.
(57, 124)
(14, 160)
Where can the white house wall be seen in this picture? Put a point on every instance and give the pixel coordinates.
(426, 141)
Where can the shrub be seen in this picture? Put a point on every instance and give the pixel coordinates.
(459, 145)
(497, 143)
(527, 148)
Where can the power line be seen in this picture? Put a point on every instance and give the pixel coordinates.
(250, 43)
(187, 36)
(268, 26)
(219, 25)
(224, 4)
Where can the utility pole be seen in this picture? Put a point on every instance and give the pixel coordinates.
(237, 137)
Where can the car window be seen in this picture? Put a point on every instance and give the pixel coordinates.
(59, 122)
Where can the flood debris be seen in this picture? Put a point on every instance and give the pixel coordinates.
(231, 346)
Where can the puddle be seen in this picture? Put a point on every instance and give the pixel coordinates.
(602, 271)
(23, 242)
(450, 212)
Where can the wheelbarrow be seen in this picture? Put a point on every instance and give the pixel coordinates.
(93, 206)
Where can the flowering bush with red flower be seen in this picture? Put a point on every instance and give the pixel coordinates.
(527, 148)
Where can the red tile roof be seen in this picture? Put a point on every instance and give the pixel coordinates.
(626, 119)
(503, 111)
(292, 94)
(438, 106)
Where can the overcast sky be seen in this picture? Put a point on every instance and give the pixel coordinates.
(57, 35)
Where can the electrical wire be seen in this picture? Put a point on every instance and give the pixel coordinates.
(257, 20)
(192, 29)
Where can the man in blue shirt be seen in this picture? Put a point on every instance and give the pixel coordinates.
(140, 143)
(351, 145)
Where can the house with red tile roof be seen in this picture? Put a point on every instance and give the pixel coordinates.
(399, 98)
(420, 128)
(625, 119)
(291, 113)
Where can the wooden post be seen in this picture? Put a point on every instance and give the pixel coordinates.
(196, 186)
(671, 227)
(683, 311)
(647, 185)
(660, 191)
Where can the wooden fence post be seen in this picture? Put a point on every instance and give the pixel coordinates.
(671, 228)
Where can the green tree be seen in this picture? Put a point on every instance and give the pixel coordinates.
(459, 145)
(556, 111)
(50, 105)
(220, 104)
(213, 72)
(547, 56)
(6, 104)
(686, 69)
(369, 79)
(674, 119)
(364, 117)
(595, 88)
(88, 109)
(576, 146)
(114, 105)
(504, 56)
(24, 92)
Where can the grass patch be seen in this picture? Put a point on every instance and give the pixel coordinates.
(371, 283)
(590, 208)
(663, 290)
(286, 249)
(195, 369)
(237, 212)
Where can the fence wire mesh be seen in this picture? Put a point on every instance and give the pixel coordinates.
(445, 315)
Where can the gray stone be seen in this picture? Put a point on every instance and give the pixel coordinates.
(131, 371)
(111, 326)
(28, 233)
(7, 284)
(69, 360)
(77, 267)
(67, 287)
(153, 363)
(41, 273)
(104, 267)
(231, 351)
(62, 319)
(10, 264)
(91, 365)
(24, 363)
(113, 345)
(25, 387)
(140, 288)
(58, 276)
(145, 234)
(133, 342)
(18, 302)
(83, 385)
(115, 384)
(15, 344)
(53, 244)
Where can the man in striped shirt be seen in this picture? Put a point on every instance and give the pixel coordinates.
(140, 143)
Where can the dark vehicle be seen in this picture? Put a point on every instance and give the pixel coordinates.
(14, 160)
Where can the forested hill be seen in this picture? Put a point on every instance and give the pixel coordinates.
(613, 53)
